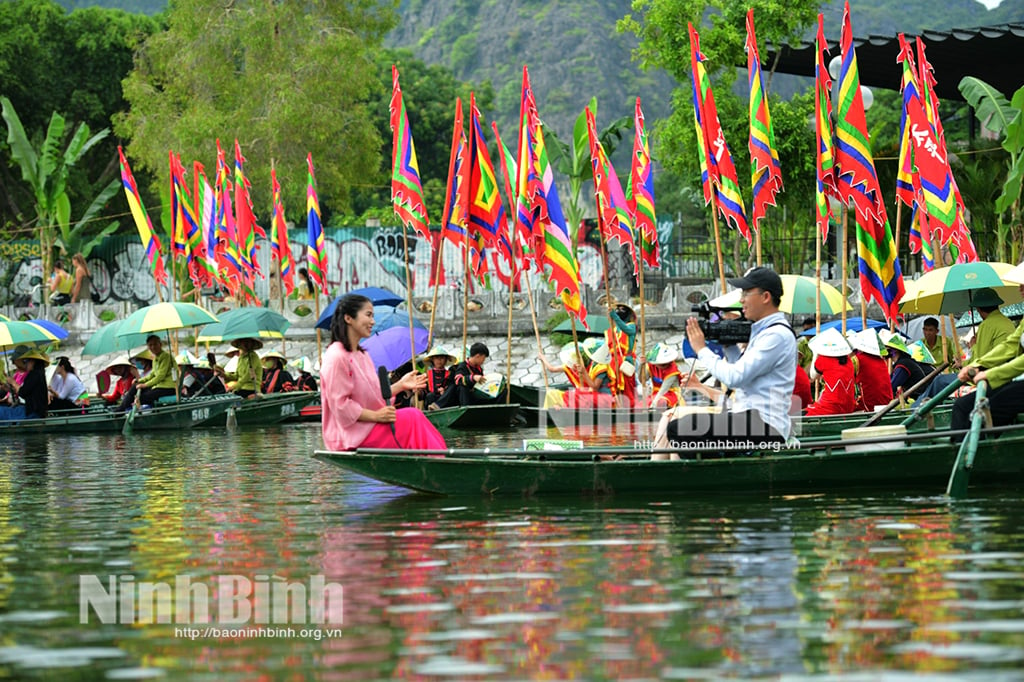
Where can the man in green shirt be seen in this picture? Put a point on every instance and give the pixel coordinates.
(937, 345)
(248, 374)
(994, 325)
(158, 383)
(999, 366)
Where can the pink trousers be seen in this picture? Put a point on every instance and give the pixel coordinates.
(413, 431)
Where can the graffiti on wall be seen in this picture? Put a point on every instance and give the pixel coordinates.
(356, 257)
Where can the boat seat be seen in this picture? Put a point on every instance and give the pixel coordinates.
(166, 400)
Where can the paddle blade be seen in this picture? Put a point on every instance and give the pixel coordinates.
(385, 383)
(231, 421)
(126, 430)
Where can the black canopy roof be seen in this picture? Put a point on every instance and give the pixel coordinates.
(995, 54)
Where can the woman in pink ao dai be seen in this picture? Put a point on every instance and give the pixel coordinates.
(354, 411)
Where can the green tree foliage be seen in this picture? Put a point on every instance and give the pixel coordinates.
(662, 27)
(429, 92)
(45, 170)
(73, 64)
(284, 79)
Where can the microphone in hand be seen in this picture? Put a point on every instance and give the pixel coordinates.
(385, 389)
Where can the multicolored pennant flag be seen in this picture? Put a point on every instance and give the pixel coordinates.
(765, 168)
(406, 189)
(229, 260)
(539, 216)
(506, 249)
(149, 239)
(824, 167)
(207, 203)
(880, 275)
(316, 249)
(245, 221)
(280, 249)
(857, 180)
(641, 197)
(911, 92)
(456, 203)
(185, 223)
(921, 239)
(718, 173)
(612, 209)
(961, 232)
(486, 212)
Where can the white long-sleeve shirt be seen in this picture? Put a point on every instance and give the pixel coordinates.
(763, 375)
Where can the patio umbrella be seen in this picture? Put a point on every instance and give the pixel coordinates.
(949, 289)
(164, 317)
(377, 296)
(246, 323)
(853, 324)
(384, 317)
(798, 294)
(15, 332)
(105, 340)
(60, 332)
(390, 347)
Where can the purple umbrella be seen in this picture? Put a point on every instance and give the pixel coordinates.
(390, 347)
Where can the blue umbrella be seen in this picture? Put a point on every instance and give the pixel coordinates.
(384, 317)
(852, 325)
(60, 332)
(376, 295)
(390, 347)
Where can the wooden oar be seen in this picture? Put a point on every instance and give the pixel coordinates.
(877, 416)
(958, 478)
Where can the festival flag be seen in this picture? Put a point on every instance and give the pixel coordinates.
(539, 217)
(406, 190)
(316, 251)
(229, 260)
(486, 212)
(612, 209)
(149, 239)
(911, 91)
(245, 220)
(961, 232)
(765, 169)
(505, 248)
(280, 249)
(641, 199)
(921, 239)
(825, 160)
(206, 199)
(718, 173)
(185, 223)
(857, 180)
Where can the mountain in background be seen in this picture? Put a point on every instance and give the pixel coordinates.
(574, 52)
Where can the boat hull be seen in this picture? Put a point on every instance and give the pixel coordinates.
(922, 467)
(474, 416)
(175, 416)
(268, 409)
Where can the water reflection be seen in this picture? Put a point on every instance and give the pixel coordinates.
(625, 587)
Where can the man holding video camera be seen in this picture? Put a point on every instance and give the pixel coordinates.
(760, 377)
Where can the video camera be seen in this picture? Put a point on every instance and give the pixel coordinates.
(725, 332)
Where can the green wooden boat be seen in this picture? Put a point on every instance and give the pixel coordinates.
(919, 462)
(268, 409)
(835, 424)
(100, 419)
(496, 416)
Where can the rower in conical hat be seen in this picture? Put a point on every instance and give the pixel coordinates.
(904, 371)
(621, 341)
(833, 365)
(439, 377)
(665, 378)
(873, 381)
(248, 373)
(276, 377)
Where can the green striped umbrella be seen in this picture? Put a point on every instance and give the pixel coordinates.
(950, 289)
(14, 333)
(246, 323)
(798, 294)
(164, 316)
(105, 340)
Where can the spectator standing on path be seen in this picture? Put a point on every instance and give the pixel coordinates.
(81, 290)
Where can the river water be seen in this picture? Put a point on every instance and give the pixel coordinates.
(663, 587)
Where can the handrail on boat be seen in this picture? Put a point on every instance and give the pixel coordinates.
(826, 447)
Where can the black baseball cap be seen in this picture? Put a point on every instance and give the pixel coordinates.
(760, 278)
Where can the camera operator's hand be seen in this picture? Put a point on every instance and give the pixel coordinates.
(694, 334)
